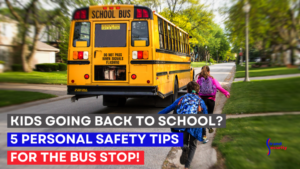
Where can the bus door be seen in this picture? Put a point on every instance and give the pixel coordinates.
(110, 61)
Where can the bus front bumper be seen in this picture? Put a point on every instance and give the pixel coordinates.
(113, 90)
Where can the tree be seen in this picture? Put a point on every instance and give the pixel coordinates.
(25, 14)
(274, 25)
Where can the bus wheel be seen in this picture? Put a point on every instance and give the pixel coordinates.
(175, 95)
(113, 101)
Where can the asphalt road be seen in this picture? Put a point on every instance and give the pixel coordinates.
(154, 157)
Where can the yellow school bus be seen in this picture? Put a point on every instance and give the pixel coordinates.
(123, 51)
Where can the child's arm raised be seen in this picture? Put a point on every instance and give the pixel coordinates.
(219, 87)
(170, 108)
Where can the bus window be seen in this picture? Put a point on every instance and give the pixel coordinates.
(161, 33)
(169, 37)
(110, 35)
(184, 44)
(166, 35)
(173, 39)
(82, 32)
(139, 32)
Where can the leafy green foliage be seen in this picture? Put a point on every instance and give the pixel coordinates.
(17, 67)
(62, 66)
(274, 25)
(47, 67)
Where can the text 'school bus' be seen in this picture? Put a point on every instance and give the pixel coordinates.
(122, 51)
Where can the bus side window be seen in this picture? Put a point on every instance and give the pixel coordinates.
(161, 33)
(82, 32)
(180, 41)
(177, 40)
(187, 44)
(184, 44)
(173, 40)
(166, 35)
(169, 37)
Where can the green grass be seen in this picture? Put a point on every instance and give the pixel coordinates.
(198, 64)
(264, 96)
(10, 97)
(268, 71)
(35, 77)
(246, 146)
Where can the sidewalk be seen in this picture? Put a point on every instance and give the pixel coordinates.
(268, 77)
(58, 90)
(205, 155)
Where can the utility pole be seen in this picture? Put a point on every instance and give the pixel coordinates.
(246, 9)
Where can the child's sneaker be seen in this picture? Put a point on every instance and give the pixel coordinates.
(210, 130)
(205, 140)
(184, 154)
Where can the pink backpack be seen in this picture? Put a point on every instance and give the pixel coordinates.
(207, 86)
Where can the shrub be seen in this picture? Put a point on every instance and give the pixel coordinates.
(211, 60)
(17, 67)
(62, 66)
(2, 62)
(47, 67)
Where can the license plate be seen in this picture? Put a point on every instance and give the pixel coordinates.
(110, 27)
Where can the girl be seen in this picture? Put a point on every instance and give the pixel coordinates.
(191, 103)
(208, 89)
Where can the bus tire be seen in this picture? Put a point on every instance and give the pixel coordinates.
(175, 95)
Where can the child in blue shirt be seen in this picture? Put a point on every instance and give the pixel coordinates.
(190, 135)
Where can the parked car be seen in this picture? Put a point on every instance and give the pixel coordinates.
(257, 59)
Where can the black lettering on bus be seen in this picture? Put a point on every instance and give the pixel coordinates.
(93, 14)
(112, 62)
(97, 14)
(105, 14)
(105, 54)
(124, 13)
(106, 58)
(117, 58)
(101, 14)
(113, 14)
(128, 14)
(120, 13)
(109, 14)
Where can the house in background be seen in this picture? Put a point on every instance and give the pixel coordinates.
(8, 30)
(9, 46)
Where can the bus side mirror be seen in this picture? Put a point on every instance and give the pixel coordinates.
(190, 37)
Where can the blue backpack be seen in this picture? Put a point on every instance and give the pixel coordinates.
(188, 104)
